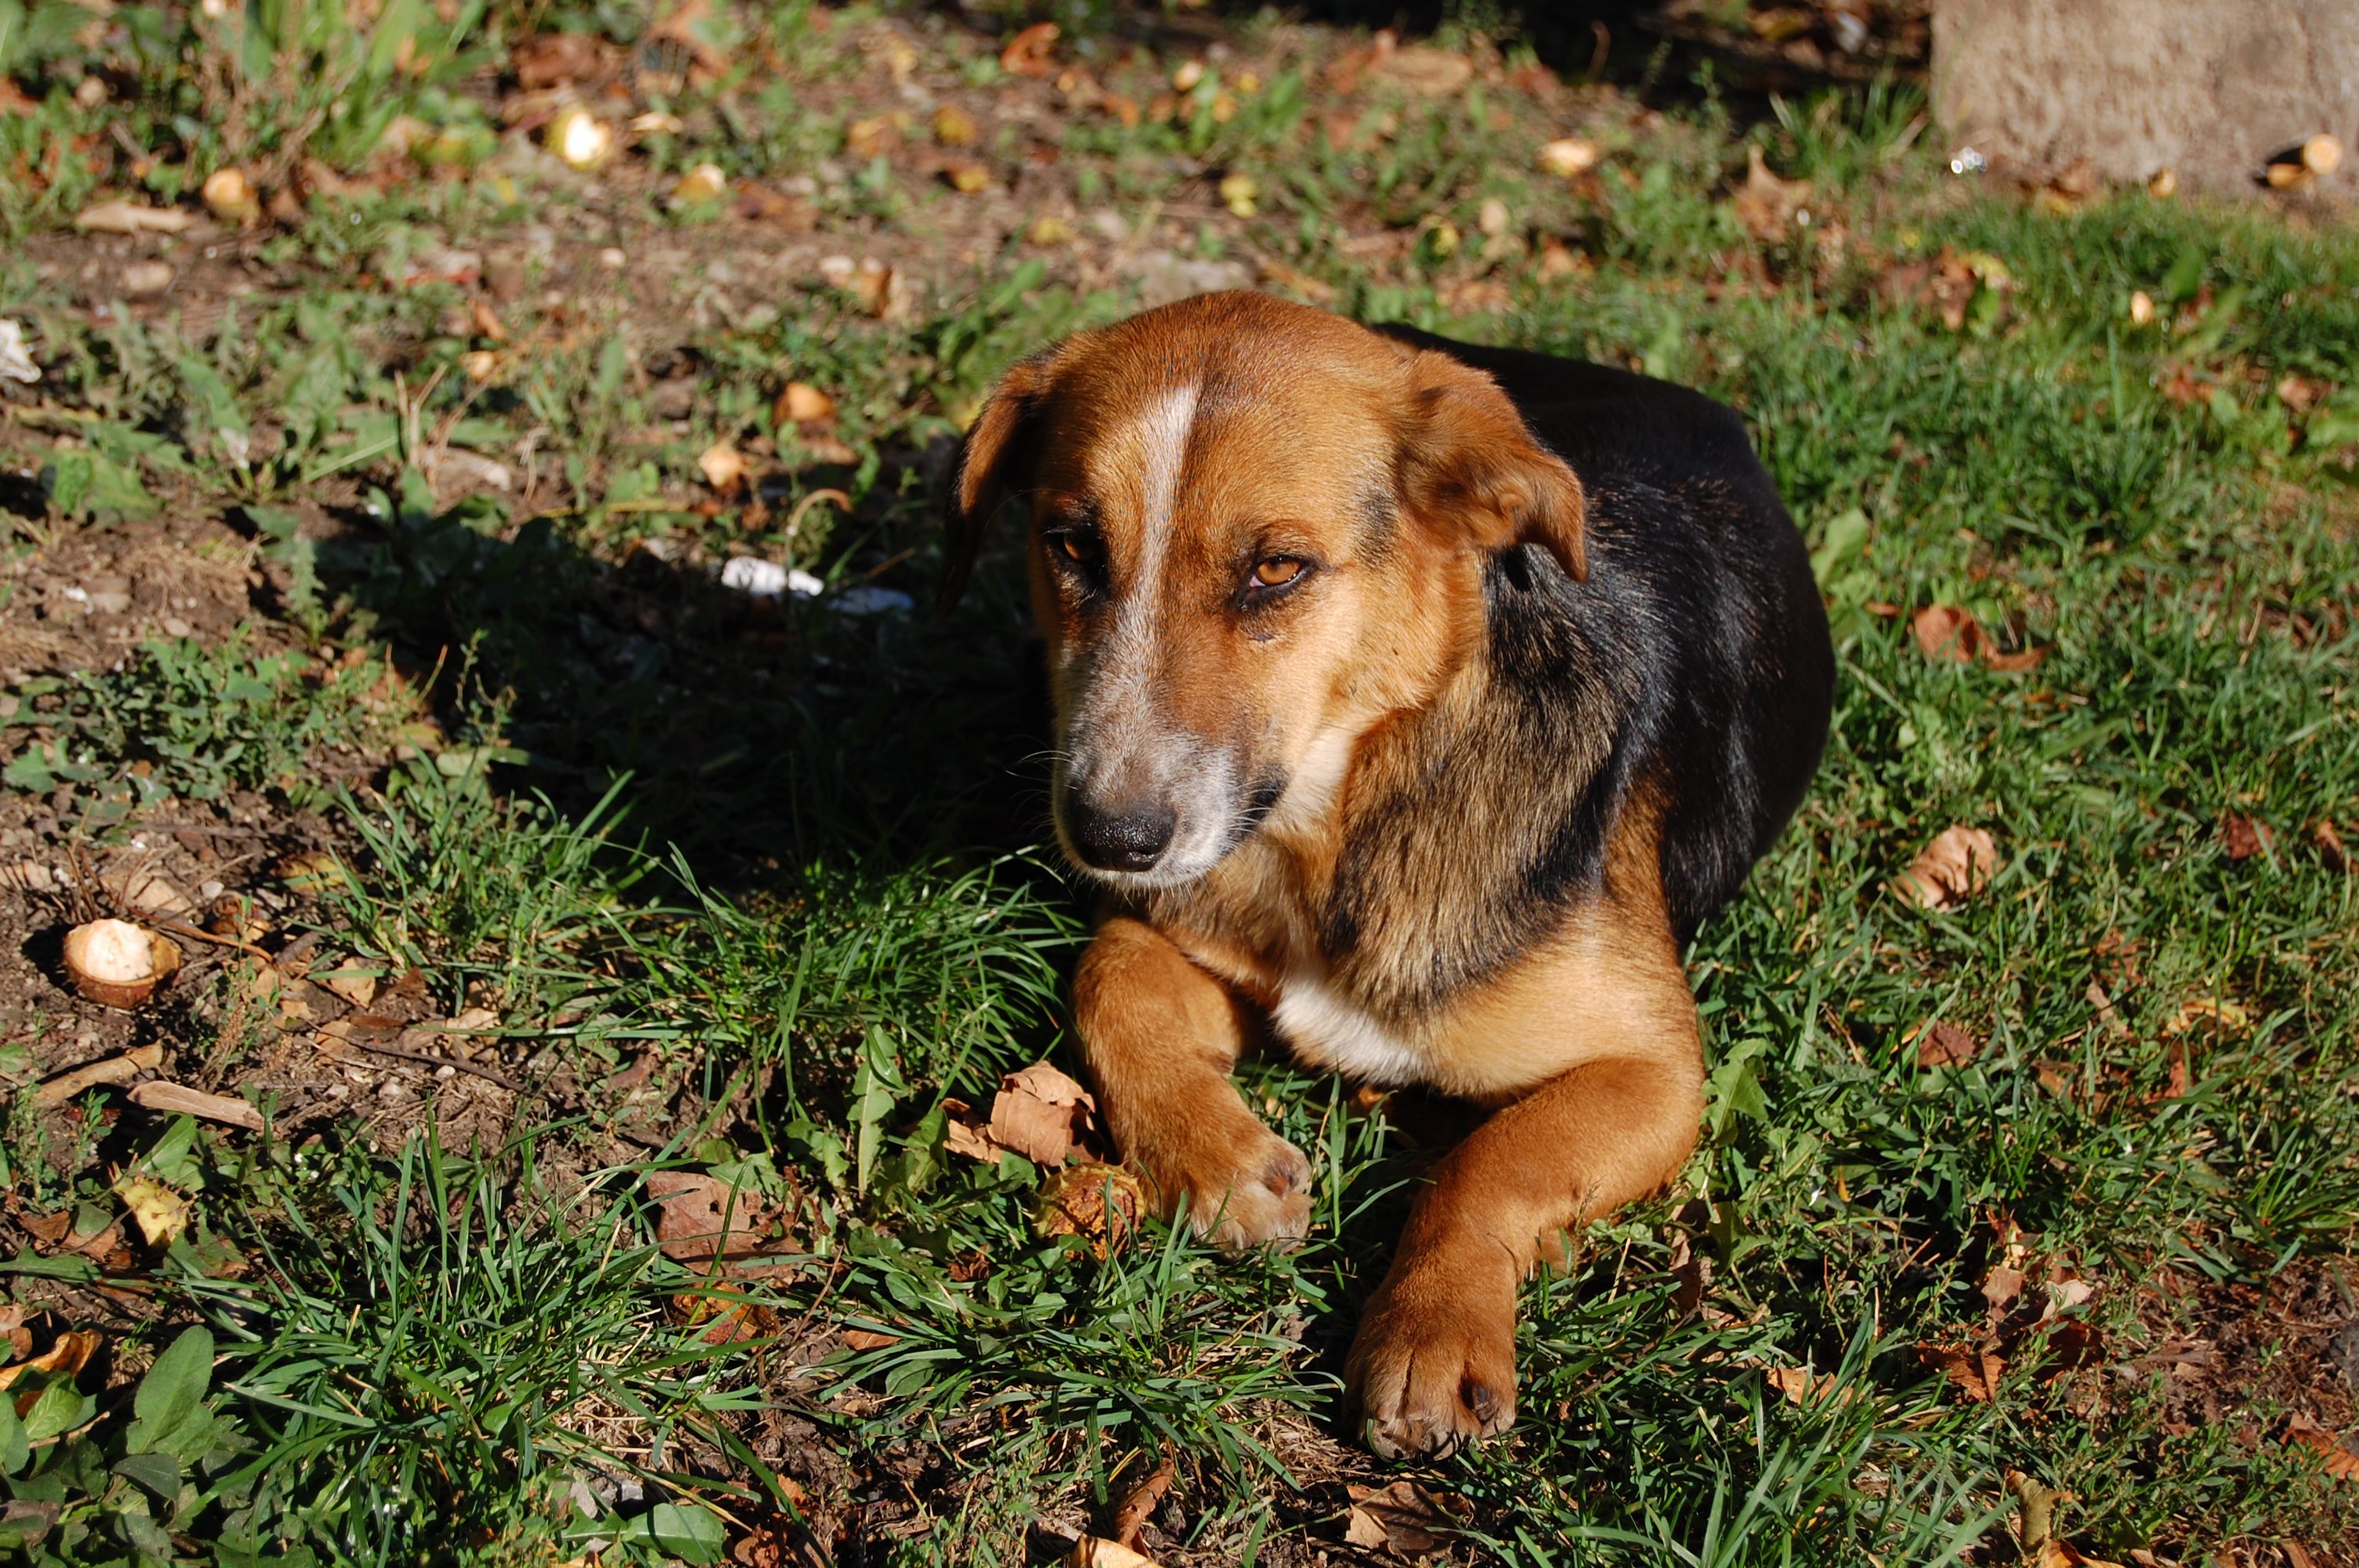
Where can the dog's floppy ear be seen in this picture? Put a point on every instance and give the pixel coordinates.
(1467, 461)
(998, 447)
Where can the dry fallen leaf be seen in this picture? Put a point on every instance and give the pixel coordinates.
(2001, 1286)
(1976, 1372)
(881, 290)
(62, 1361)
(1039, 1113)
(2338, 1454)
(1804, 1387)
(2330, 852)
(865, 1339)
(2218, 1011)
(723, 466)
(160, 1213)
(802, 403)
(1136, 1509)
(1955, 867)
(1101, 1204)
(1095, 1552)
(968, 177)
(700, 1219)
(1945, 1046)
(1767, 205)
(2241, 838)
(1945, 632)
(1031, 53)
(1403, 1518)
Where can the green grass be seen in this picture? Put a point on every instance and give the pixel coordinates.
(782, 863)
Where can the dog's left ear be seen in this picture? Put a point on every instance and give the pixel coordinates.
(998, 448)
(1468, 461)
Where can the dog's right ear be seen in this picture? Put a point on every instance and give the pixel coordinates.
(997, 449)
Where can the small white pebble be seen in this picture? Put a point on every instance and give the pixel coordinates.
(612, 258)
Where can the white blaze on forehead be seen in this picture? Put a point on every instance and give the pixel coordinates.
(1158, 440)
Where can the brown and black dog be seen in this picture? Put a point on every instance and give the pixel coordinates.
(1418, 699)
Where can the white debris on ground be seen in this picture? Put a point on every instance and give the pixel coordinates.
(16, 359)
(768, 579)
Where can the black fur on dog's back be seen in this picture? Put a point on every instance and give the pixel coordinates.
(1701, 601)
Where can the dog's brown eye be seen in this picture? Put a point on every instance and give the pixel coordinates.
(1277, 572)
(1082, 549)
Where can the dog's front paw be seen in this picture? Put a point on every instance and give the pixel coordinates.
(1434, 1366)
(1240, 1185)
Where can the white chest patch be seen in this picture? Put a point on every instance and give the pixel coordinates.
(1332, 1032)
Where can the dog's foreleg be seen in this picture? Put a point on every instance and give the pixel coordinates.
(1434, 1363)
(1160, 1036)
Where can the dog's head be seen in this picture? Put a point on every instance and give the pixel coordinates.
(1258, 529)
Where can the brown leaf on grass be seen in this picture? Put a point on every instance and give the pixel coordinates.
(1136, 1509)
(865, 1339)
(1402, 1518)
(881, 290)
(12, 1329)
(2241, 838)
(48, 1229)
(2107, 1014)
(1095, 1552)
(1945, 1046)
(2071, 1345)
(1100, 1203)
(2001, 1286)
(699, 1220)
(1032, 52)
(801, 404)
(61, 1362)
(1952, 869)
(1805, 1387)
(1766, 204)
(2217, 1011)
(2340, 1455)
(1040, 1113)
(1975, 1371)
(2330, 852)
(1946, 633)
(724, 468)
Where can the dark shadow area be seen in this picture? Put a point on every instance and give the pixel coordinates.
(1667, 52)
(759, 732)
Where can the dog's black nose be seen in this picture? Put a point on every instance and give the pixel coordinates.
(1130, 840)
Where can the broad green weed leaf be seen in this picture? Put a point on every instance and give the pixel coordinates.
(159, 1474)
(173, 1389)
(60, 1409)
